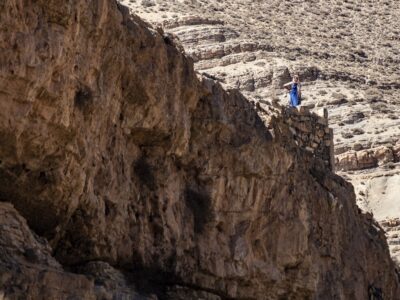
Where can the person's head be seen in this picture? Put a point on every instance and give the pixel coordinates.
(296, 78)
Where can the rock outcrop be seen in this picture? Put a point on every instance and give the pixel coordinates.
(138, 179)
(28, 270)
(345, 53)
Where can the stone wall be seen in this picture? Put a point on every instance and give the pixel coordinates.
(392, 229)
(311, 132)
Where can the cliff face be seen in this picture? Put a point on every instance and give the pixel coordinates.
(344, 61)
(137, 178)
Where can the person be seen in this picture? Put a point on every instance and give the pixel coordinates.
(294, 88)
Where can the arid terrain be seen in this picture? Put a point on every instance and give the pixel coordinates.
(347, 54)
(131, 170)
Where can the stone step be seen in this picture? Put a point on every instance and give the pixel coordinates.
(394, 242)
(391, 229)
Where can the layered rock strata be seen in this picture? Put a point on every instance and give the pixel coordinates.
(137, 179)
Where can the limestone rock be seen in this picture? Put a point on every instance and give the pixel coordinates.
(146, 180)
(344, 61)
(366, 159)
(27, 269)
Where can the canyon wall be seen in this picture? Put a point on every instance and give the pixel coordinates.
(345, 52)
(139, 178)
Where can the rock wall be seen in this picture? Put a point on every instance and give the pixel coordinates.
(392, 228)
(309, 130)
(312, 133)
(28, 270)
(139, 179)
(344, 61)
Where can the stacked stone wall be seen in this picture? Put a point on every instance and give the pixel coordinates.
(392, 229)
(311, 132)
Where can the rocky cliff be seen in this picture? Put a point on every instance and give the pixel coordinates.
(346, 53)
(125, 176)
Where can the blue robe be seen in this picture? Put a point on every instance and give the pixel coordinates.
(294, 96)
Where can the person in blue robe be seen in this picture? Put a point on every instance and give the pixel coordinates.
(294, 88)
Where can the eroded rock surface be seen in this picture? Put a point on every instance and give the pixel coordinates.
(346, 54)
(28, 271)
(142, 179)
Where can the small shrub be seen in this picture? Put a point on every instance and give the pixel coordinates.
(148, 3)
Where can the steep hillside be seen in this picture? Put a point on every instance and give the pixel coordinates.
(124, 175)
(347, 55)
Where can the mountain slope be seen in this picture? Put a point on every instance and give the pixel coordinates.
(346, 53)
(139, 179)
